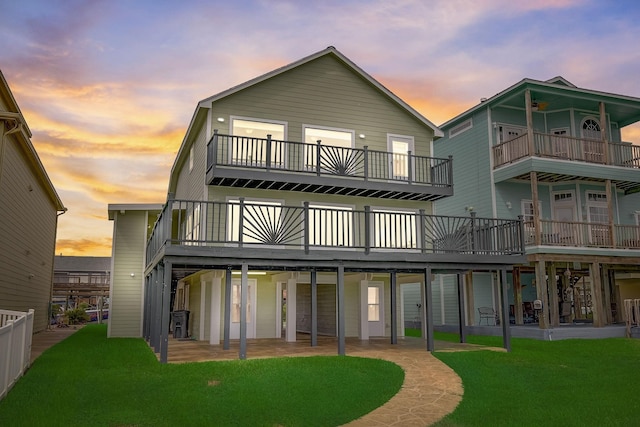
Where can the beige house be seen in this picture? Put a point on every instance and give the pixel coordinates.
(29, 210)
(299, 202)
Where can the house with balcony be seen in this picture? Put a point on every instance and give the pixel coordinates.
(299, 202)
(553, 154)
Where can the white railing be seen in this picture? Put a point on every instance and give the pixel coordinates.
(16, 329)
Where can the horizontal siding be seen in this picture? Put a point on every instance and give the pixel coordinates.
(471, 171)
(266, 308)
(126, 291)
(28, 228)
(482, 294)
(191, 183)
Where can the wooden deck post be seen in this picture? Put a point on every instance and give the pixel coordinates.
(517, 296)
(536, 211)
(554, 303)
(541, 294)
(506, 328)
(529, 114)
(596, 295)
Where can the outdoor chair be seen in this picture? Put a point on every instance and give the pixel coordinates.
(487, 313)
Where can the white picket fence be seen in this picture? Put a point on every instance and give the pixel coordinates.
(16, 329)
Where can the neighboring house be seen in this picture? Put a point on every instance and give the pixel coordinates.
(299, 202)
(29, 209)
(552, 153)
(82, 280)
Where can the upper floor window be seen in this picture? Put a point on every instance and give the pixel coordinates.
(336, 154)
(591, 128)
(249, 142)
(597, 208)
(527, 210)
(394, 229)
(507, 133)
(330, 225)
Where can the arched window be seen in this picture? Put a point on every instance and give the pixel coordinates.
(591, 128)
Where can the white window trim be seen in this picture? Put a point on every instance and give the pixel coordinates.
(351, 131)
(598, 204)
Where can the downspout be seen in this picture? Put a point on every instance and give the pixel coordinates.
(53, 268)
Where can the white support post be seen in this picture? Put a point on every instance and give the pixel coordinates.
(292, 285)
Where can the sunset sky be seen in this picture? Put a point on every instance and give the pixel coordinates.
(108, 87)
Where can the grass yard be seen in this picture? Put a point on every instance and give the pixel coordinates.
(541, 383)
(91, 380)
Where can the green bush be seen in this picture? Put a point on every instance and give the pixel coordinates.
(77, 315)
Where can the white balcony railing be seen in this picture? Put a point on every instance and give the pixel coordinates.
(567, 148)
(583, 234)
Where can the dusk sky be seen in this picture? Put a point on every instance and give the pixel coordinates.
(108, 87)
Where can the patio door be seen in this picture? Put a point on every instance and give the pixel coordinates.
(375, 309)
(564, 216)
(250, 312)
(400, 163)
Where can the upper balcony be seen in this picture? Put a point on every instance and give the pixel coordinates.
(266, 163)
(624, 159)
(582, 234)
(232, 231)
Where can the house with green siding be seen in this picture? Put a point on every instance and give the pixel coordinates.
(299, 202)
(552, 154)
(29, 210)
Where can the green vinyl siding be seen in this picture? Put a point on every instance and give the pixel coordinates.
(411, 299)
(28, 228)
(266, 308)
(326, 93)
(191, 183)
(129, 238)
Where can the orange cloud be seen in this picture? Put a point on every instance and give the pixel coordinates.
(84, 247)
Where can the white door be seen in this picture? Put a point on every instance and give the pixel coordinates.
(399, 161)
(564, 230)
(250, 312)
(375, 309)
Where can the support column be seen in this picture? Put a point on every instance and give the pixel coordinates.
(529, 117)
(461, 309)
(606, 287)
(596, 294)
(603, 133)
(506, 329)
(364, 308)
(612, 228)
(244, 291)
(468, 291)
(394, 311)
(341, 311)
(166, 308)
(314, 308)
(535, 200)
(517, 296)
(427, 303)
(214, 308)
(292, 288)
(541, 294)
(227, 309)
(554, 303)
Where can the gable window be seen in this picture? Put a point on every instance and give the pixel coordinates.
(191, 159)
(462, 127)
(249, 147)
(191, 224)
(336, 154)
(400, 162)
(330, 225)
(394, 229)
(591, 128)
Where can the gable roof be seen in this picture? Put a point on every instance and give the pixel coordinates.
(23, 134)
(81, 263)
(623, 109)
(205, 104)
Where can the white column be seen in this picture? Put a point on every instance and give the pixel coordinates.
(214, 308)
(364, 309)
(203, 305)
(292, 283)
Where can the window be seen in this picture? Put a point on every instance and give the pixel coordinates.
(373, 303)
(330, 225)
(191, 159)
(399, 162)
(527, 210)
(597, 209)
(462, 127)
(249, 142)
(394, 229)
(261, 222)
(591, 128)
(336, 154)
(191, 225)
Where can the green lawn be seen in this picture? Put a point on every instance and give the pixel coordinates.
(541, 383)
(89, 380)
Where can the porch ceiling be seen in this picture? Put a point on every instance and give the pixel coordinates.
(627, 186)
